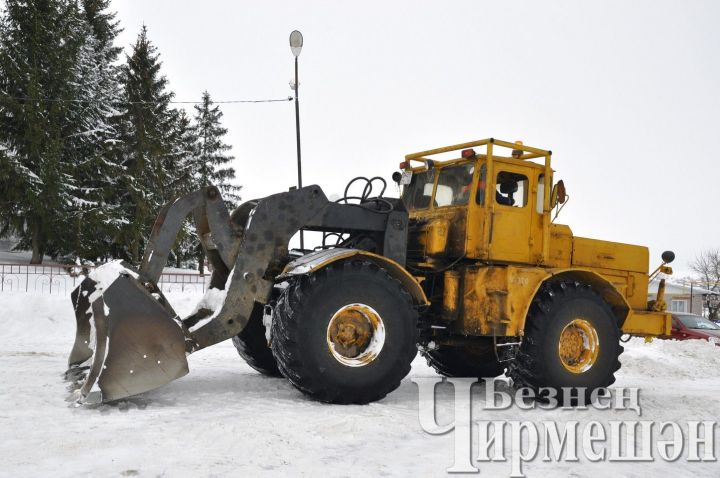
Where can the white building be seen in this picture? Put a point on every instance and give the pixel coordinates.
(681, 297)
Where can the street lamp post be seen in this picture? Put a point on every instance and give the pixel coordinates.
(296, 43)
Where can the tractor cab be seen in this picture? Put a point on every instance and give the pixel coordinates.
(489, 204)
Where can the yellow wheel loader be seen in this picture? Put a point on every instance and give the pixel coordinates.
(467, 266)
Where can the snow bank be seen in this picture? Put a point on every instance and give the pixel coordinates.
(212, 300)
(672, 359)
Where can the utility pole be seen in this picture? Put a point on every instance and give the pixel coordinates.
(691, 297)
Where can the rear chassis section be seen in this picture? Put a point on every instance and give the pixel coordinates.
(479, 300)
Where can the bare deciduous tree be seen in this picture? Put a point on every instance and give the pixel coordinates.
(707, 268)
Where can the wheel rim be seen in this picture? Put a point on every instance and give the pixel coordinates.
(578, 346)
(355, 335)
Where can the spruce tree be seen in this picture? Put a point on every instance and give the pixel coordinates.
(212, 165)
(94, 141)
(39, 43)
(105, 28)
(91, 150)
(146, 128)
(185, 144)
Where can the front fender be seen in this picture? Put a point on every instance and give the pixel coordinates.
(315, 261)
(620, 306)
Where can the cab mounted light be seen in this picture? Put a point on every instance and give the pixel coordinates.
(468, 154)
(404, 165)
(517, 153)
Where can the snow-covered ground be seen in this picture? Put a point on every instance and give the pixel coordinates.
(224, 419)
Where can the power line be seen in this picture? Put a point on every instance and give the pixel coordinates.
(110, 102)
(289, 98)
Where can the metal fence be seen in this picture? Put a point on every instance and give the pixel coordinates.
(61, 280)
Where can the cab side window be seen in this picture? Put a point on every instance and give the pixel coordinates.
(540, 199)
(511, 189)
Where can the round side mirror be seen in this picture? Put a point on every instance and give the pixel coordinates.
(668, 257)
(396, 176)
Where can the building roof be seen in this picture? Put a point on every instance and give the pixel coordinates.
(672, 288)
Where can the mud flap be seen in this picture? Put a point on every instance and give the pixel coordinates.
(138, 344)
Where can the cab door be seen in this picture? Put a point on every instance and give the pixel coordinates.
(511, 209)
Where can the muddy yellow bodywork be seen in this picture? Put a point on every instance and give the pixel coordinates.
(495, 257)
(494, 300)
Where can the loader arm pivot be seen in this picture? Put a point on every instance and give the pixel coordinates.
(269, 228)
(213, 226)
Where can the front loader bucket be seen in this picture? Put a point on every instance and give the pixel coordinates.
(127, 342)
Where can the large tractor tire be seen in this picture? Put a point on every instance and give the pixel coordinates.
(572, 339)
(477, 361)
(252, 345)
(346, 333)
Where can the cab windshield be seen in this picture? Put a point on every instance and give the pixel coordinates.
(418, 193)
(454, 185)
(453, 188)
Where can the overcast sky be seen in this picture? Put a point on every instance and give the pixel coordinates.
(625, 94)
